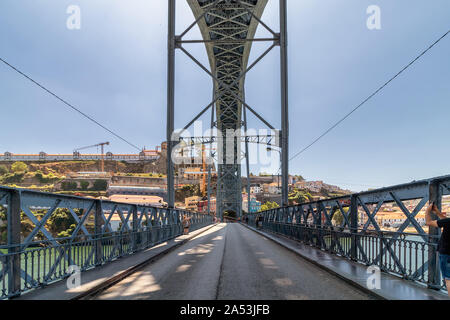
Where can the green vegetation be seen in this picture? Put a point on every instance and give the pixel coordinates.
(84, 185)
(100, 185)
(80, 193)
(269, 205)
(60, 224)
(338, 218)
(19, 167)
(3, 170)
(9, 178)
(42, 178)
(298, 196)
(187, 191)
(61, 221)
(69, 185)
(20, 173)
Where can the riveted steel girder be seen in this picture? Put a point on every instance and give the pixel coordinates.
(226, 27)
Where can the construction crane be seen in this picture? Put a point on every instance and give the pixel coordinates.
(102, 145)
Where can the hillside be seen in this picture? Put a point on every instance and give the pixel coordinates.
(44, 176)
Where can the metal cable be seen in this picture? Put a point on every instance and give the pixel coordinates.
(368, 98)
(68, 104)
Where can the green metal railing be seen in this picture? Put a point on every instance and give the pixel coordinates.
(411, 256)
(27, 263)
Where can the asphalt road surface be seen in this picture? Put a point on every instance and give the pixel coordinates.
(231, 262)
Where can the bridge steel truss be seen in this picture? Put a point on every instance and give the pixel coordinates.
(34, 257)
(228, 30)
(412, 256)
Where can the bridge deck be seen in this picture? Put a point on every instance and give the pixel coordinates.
(230, 261)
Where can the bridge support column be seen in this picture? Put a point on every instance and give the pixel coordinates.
(434, 278)
(170, 103)
(284, 104)
(14, 268)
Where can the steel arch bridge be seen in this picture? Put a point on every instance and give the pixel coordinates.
(228, 29)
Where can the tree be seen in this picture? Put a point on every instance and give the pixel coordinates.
(13, 177)
(3, 170)
(338, 218)
(84, 185)
(299, 196)
(61, 220)
(45, 178)
(69, 185)
(100, 185)
(269, 205)
(2, 213)
(19, 167)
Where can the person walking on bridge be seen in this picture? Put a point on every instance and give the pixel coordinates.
(444, 242)
(186, 223)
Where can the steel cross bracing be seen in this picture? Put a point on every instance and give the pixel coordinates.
(227, 23)
(269, 140)
(228, 28)
(360, 237)
(27, 263)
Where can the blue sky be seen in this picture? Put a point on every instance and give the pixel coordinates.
(114, 69)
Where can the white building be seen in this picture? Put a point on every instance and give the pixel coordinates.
(256, 189)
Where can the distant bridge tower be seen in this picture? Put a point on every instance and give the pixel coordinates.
(228, 30)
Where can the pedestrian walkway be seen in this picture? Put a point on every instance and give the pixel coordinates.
(95, 277)
(392, 287)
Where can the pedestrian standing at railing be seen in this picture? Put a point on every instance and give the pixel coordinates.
(186, 223)
(444, 242)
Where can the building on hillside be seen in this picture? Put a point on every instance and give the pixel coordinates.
(250, 207)
(152, 153)
(77, 156)
(272, 188)
(152, 201)
(396, 219)
(312, 186)
(202, 206)
(192, 203)
(265, 197)
(89, 175)
(317, 186)
(137, 191)
(256, 188)
(331, 188)
(83, 183)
